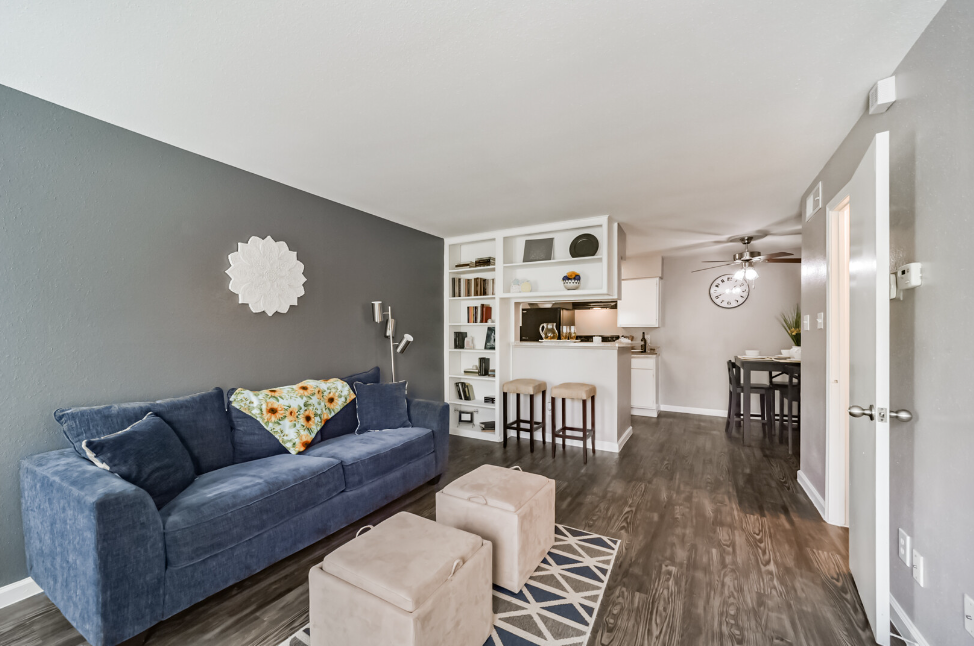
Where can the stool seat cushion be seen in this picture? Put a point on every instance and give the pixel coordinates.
(525, 386)
(573, 391)
(507, 489)
(403, 560)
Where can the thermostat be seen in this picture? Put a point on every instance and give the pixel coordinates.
(908, 276)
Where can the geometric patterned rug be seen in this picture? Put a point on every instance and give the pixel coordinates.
(560, 601)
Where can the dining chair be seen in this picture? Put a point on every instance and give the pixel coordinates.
(736, 396)
(787, 408)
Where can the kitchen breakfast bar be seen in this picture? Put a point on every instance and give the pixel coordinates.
(607, 366)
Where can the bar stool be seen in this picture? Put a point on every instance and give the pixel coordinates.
(580, 392)
(529, 387)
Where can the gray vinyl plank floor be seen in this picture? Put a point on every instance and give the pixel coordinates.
(720, 545)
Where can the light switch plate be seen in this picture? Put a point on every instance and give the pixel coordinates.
(919, 568)
(820, 320)
(905, 548)
(969, 614)
(806, 322)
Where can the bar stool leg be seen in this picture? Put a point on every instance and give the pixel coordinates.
(517, 419)
(584, 432)
(544, 406)
(531, 423)
(593, 427)
(554, 426)
(564, 422)
(504, 427)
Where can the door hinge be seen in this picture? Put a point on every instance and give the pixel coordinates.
(882, 415)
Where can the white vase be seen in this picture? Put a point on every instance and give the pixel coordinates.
(796, 352)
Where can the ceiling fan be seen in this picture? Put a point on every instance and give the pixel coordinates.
(748, 258)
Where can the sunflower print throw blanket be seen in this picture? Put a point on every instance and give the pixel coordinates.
(294, 414)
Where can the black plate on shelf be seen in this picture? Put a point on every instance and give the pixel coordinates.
(584, 246)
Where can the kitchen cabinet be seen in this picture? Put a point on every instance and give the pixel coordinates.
(639, 305)
(645, 385)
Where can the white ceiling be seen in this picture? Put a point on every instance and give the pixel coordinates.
(688, 120)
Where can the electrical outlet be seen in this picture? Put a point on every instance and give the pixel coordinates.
(969, 614)
(919, 569)
(905, 548)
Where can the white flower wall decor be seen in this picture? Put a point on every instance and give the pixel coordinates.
(266, 275)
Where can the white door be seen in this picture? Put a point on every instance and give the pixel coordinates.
(869, 543)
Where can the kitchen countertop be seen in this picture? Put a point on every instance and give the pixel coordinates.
(573, 346)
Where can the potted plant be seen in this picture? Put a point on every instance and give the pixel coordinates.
(792, 324)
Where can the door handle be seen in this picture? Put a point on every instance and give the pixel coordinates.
(859, 411)
(902, 415)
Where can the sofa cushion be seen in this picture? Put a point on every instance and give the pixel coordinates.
(381, 406)
(149, 455)
(200, 422)
(228, 506)
(370, 456)
(251, 441)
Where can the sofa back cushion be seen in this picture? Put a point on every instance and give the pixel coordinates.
(251, 441)
(149, 455)
(199, 421)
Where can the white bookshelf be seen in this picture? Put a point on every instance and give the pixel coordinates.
(455, 360)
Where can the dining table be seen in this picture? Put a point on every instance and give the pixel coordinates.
(780, 364)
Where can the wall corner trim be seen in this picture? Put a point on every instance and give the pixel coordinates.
(709, 412)
(903, 623)
(813, 494)
(18, 591)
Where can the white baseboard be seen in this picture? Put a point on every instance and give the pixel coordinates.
(710, 412)
(644, 412)
(18, 591)
(904, 624)
(813, 494)
(600, 445)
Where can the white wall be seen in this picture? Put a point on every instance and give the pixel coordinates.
(696, 338)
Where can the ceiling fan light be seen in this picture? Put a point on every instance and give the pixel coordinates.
(750, 273)
(739, 274)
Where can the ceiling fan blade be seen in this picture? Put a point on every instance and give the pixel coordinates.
(725, 260)
(714, 267)
(796, 260)
(777, 254)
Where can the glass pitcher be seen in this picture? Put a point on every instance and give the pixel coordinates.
(549, 332)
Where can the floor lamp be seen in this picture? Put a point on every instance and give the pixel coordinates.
(377, 316)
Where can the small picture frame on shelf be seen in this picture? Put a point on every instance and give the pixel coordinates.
(538, 250)
(465, 416)
(491, 340)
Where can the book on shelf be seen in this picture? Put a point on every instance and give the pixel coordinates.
(464, 391)
(486, 261)
(462, 287)
(489, 399)
(479, 313)
(487, 426)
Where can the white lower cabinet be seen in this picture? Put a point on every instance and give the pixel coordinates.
(645, 386)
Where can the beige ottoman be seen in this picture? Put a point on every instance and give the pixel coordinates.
(410, 582)
(513, 510)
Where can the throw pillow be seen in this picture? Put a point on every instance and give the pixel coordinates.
(381, 406)
(149, 455)
(293, 414)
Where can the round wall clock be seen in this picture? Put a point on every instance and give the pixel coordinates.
(728, 292)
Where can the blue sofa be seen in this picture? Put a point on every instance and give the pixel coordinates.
(115, 565)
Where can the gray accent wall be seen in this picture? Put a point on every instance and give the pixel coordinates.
(931, 127)
(113, 249)
(696, 337)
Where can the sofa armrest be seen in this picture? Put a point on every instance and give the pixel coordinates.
(95, 546)
(436, 417)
